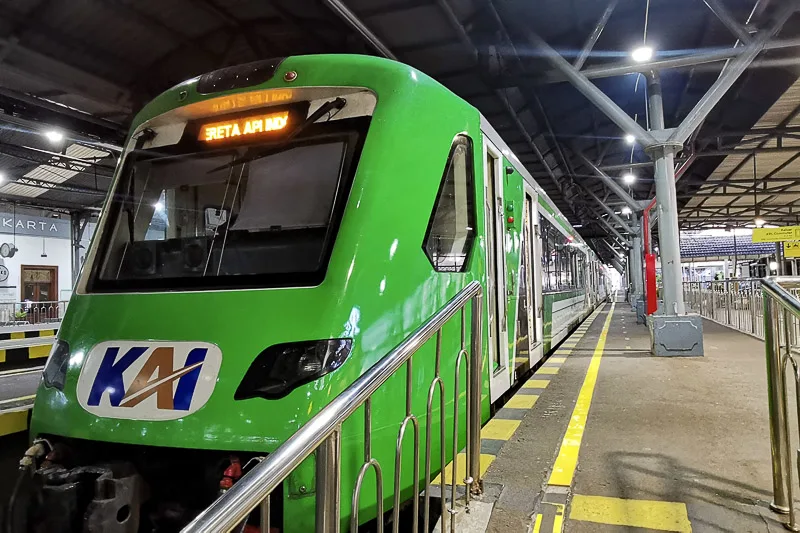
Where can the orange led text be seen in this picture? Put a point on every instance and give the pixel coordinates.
(244, 127)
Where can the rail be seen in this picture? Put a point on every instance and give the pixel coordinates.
(26, 313)
(736, 303)
(323, 433)
(781, 321)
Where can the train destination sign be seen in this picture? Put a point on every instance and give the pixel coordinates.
(244, 127)
(786, 233)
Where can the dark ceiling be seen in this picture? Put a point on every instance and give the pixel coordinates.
(87, 65)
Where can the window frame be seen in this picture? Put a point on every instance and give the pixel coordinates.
(352, 131)
(458, 140)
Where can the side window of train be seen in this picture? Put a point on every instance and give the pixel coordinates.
(451, 227)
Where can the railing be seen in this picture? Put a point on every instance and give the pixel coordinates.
(736, 303)
(323, 435)
(781, 321)
(25, 313)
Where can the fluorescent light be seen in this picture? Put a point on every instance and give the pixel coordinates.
(629, 178)
(630, 139)
(54, 136)
(2, 177)
(773, 265)
(626, 210)
(159, 206)
(759, 222)
(642, 54)
(578, 226)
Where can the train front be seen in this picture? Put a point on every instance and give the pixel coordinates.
(224, 299)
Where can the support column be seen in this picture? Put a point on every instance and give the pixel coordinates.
(779, 259)
(673, 332)
(668, 232)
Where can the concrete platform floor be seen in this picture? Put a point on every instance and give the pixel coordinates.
(690, 432)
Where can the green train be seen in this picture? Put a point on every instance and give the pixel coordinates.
(272, 231)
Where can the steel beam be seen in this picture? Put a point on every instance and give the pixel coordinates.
(610, 183)
(595, 35)
(722, 13)
(354, 22)
(679, 62)
(621, 223)
(590, 91)
(730, 74)
(609, 227)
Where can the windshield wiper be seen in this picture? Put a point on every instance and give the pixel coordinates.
(327, 107)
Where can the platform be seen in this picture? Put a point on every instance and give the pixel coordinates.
(619, 440)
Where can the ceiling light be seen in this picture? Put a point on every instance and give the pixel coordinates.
(626, 210)
(159, 206)
(2, 177)
(642, 54)
(629, 178)
(630, 139)
(773, 265)
(54, 136)
(759, 222)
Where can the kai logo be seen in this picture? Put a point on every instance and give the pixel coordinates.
(148, 380)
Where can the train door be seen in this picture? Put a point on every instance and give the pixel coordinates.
(529, 346)
(496, 301)
(537, 350)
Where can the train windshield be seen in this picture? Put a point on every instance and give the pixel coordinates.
(249, 214)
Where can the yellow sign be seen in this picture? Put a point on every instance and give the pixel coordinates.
(791, 249)
(244, 127)
(786, 233)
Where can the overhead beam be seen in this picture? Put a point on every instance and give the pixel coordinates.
(46, 71)
(595, 35)
(722, 13)
(610, 183)
(729, 75)
(621, 223)
(679, 62)
(589, 90)
(355, 23)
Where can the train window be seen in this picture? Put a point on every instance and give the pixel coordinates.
(451, 229)
(199, 217)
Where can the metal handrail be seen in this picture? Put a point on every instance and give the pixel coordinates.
(735, 302)
(323, 432)
(781, 317)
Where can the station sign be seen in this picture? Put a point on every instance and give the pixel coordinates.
(19, 224)
(791, 249)
(785, 233)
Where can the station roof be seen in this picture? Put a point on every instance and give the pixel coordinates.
(86, 67)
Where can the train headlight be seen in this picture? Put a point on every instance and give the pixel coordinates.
(55, 369)
(281, 368)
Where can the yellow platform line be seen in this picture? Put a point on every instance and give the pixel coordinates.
(499, 429)
(14, 422)
(522, 401)
(647, 514)
(546, 370)
(42, 350)
(20, 399)
(567, 460)
(536, 384)
(557, 360)
(461, 469)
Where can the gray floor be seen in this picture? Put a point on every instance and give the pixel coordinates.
(521, 469)
(689, 430)
(17, 385)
